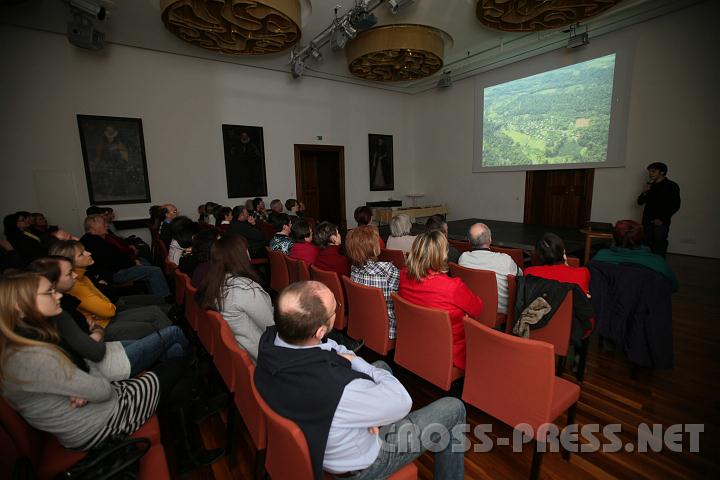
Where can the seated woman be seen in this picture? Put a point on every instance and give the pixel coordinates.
(56, 391)
(363, 249)
(197, 259)
(281, 240)
(303, 248)
(223, 217)
(629, 248)
(258, 210)
(182, 230)
(231, 287)
(363, 216)
(553, 264)
(400, 238)
(425, 282)
(327, 238)
(124, 321)
(17, 232)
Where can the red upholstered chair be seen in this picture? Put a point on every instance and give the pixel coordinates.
(512, 296)
(396, 257)
(206, 331)
(515, 253)
(513, 379)
(160, 252)
(482, 283)
(221, 354)
(266, 228)
(332, 281)
(192, 310)
(170, 268)
(180, 286)
(292, 269)
(288, 455)
(535, 260)
(303, 273)
(461, 246)
(278, 270)
(246, 403)
(424, 343)
(368, 317)
(573, 261)
(557, 330)
(49, 458)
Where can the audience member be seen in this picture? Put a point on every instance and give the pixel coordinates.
(363, 250)
(232, 288)
(291, 207)
(259, 211)
(210, 208)
(482, 258)
(437, 222)
(363, 216)
(156, 218)
(223, 218)
(327, 238)
(281, 240)
(303, 248)
(117, 267)
(24, 243)
(198, 256)
(182, 231)
(629, 248)
(425, 282)
(553, 264)
(349, 411)
(244, 225)
(168, 211)
(276, 207)
(202, 216)
(400, 238)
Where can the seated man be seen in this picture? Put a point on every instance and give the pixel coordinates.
(244, 224)
(113, 265)
(169, 211)
(437, 222)
(351, 412)
(482, 258)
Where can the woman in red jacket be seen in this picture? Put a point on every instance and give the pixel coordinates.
(425, 282)
(329, 257)
(303, 248)
(551, 250)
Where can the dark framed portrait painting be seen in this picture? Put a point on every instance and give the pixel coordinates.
(382, 176)
(244, 161)
(113, 151)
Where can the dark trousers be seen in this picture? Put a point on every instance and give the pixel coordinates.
(656, 237)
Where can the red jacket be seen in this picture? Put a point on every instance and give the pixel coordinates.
(330, 259)
(304, 251)
(580, 276)
(437, 290)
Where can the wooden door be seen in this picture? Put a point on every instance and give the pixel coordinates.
(320, 182)
(559, 198)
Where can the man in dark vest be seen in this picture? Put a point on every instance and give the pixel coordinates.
(352, 413)
(661, 198)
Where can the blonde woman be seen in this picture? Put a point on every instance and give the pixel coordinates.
(425, 282)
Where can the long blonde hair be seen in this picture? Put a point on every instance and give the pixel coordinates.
(21, 319)
(429, 252)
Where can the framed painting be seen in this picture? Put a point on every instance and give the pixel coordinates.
(113, 151)
(244, 161)
(382, 175)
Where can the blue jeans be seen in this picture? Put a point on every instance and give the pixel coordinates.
(161, 345)
(153, 276)
(442, 414)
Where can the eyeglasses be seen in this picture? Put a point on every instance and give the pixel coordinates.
(52, 291)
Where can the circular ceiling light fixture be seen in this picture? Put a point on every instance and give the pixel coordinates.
(238, 27)
(396, 53)
(536, 15)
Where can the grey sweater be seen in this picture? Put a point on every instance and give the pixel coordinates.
(248, 310)
(39, 382)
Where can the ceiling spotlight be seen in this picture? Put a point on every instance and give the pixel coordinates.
(445, 80)
(339, 39)
(349, 30)
(315, 52)
(397, 5)
(297, 67)
(577, 39)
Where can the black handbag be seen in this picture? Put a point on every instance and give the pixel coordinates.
(114, 459)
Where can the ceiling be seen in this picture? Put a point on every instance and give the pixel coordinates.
(471, 48)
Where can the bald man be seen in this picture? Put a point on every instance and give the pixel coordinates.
(482, 258)
(346, 407)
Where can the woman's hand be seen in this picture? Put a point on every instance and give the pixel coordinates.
(77, 402)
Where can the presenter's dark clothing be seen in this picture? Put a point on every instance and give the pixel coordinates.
(661, 202)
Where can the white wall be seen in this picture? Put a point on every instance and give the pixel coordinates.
(182, 102)
(674, 118)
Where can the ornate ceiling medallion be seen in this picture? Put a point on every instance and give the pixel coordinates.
(239, 27)
(396, 53)
(534, 15)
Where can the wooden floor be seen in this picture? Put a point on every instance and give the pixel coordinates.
(686, 394)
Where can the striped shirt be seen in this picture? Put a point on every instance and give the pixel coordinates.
(383, 275)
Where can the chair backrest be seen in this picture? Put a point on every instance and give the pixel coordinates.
(332, 281)
(573, 261)
(206, 331)
(424, 342)
(396, 257)
(515, 253)
(461, 246)
(482, 283)
(292, 268)
(245, 400)
(222, 337)
(170, 268)
(557, 330)
(367, 316)
(28, 441)
(288, 455)
(535, 260)
(278, 270)
(512, 296)
(160, 252)
(509, 378)
(192, 309)
(266, 228)
(303, 274)
(180, 286)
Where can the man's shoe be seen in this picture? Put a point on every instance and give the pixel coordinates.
(206, 407)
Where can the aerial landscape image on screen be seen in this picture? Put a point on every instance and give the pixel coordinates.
(557, 117)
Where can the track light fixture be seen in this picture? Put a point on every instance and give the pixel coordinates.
(577, 39)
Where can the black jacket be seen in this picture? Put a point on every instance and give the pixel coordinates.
(634, 309)
(305, 386)
(530, 287)
(255, 239)
(108, 259)
(661, 201)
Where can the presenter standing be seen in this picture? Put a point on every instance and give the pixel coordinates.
(661, 198)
